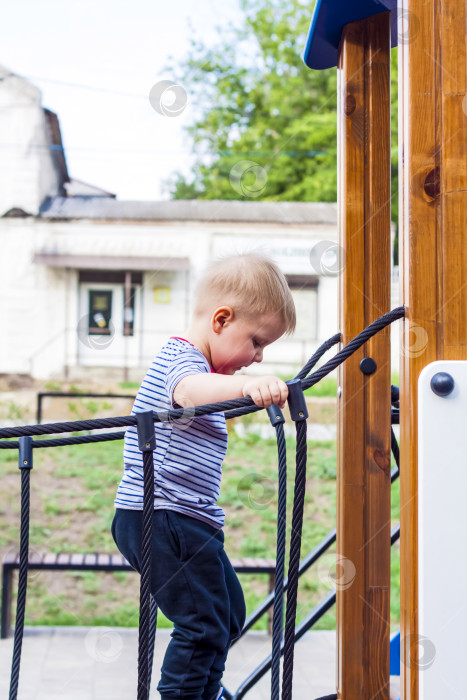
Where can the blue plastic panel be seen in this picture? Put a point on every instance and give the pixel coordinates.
(395, 655)
(327, 23)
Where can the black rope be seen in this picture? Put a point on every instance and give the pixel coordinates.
(352, 346)
(145, 582)
(232, 408)
(152, 638)
(318, 354)
(61, 442)
(68, 426)
(294, 560)
(236, 413)
(302, 628)
(166, 415)
(25, 455)
(277, 617)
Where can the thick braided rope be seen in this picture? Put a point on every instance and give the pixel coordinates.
(152, 638)
(22, 583)
(165, 415)
(236, 413)
(318, 354)
(233, 413)
(161, 416)
(280, 564)
(352, 346)
(294, 560)
(145, 582)
(68, 426)
(61, 442)
(301, 630)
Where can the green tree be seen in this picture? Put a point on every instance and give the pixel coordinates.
(264, 125)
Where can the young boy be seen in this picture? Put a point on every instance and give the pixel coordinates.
(241, 304)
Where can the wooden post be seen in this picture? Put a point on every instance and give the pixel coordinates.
(363, 478)
(433, 248)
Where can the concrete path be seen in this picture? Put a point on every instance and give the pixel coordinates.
(99, 663)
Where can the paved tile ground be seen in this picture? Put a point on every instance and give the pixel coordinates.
(82, 663)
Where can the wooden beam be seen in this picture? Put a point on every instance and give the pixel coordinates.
(433, 247)
(363, 479)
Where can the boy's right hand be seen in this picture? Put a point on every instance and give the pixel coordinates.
(266, 391)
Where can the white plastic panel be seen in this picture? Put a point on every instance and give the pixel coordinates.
(440, 651)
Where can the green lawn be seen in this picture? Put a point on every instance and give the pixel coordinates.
(72, 492)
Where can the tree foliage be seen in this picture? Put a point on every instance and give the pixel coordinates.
(264, 125)
(259, 109)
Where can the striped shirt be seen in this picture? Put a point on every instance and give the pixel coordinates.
(189, 451)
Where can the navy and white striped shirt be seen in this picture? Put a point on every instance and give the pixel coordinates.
(189, 451)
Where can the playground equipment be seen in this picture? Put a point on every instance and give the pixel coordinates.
(147, 443)
(433, 261)
(431, 38)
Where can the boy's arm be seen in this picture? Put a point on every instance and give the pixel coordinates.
(199, 389)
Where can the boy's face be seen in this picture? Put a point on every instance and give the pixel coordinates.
(239, 341)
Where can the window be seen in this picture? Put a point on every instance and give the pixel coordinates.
(100, 312)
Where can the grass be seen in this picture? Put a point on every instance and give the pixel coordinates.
(72, 493)
(129, 386)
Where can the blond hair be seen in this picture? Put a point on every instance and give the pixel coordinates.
(251, 283)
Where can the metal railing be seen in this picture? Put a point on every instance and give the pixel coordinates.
(75, 395)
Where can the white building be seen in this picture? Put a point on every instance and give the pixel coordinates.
(87, 281)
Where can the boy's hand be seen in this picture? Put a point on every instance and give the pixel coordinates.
(266, 391)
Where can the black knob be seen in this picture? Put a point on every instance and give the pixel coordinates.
(442, 384)
(368, 365)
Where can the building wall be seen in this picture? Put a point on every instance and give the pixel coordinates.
(41, 307)
(27, 174)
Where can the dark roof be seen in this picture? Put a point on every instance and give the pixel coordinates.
(106, 208)
(56, 148)
(79, 188)
(329, 18)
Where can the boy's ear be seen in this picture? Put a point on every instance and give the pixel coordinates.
(221, 318)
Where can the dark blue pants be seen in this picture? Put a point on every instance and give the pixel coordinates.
(195, 586)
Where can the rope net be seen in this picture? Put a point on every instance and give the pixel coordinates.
(145, 424)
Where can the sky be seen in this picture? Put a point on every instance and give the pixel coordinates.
(96, 64)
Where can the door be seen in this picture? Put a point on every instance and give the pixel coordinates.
(103, 336)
